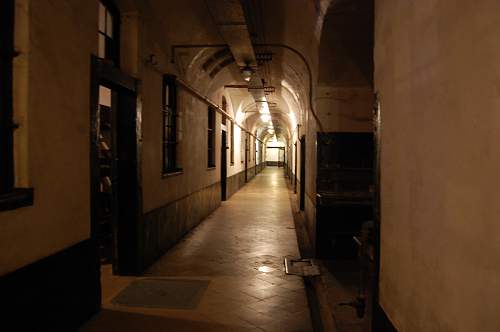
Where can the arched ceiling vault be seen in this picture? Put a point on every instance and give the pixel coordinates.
(244, 32)
(278, 80)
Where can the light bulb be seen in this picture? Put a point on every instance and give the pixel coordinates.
(247, 72)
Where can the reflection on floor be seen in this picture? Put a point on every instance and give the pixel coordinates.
(239, 250)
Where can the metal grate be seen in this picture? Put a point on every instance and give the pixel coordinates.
(301, 267)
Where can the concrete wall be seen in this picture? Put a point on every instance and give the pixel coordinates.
(438, 75)
(52, 95)
(169, 201)
(156, 37)
(52, 79)
(342, 89)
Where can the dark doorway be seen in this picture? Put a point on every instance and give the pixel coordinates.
(106, 199)
(114, 150)
(302, 172)
(286, 163)
(281, 163)
(223, 166)
(295, 169)
(246, 157)
(255, 157)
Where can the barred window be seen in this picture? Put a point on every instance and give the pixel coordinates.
(169, 112)
(224, 108)
(211, 138)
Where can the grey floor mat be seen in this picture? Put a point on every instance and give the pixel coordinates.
(163, 293)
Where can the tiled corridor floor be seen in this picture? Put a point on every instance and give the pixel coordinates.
(239, 249)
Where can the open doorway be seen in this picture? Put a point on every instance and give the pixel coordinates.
(114, 169)
(223, 166)
(346, 225)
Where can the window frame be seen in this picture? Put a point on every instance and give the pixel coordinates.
(230, 129)
(10, 196)
(224, 108)
(169, 122)
(114, 45)
(6, 116)
(211, 115)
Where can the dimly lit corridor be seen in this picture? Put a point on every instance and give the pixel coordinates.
(249, 165)
(239, 251)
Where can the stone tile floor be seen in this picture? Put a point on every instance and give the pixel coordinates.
(240, 250)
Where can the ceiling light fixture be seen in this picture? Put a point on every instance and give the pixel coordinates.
(264, 108)
(247, 72)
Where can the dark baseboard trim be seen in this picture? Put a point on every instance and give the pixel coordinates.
(161, 228)
(17, 198)
(275, 164)
(57, 293)
(237, 181)
(381, 322)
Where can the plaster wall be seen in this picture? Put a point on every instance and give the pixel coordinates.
(342, 93)
(438, 74)
(53, 77)
(156, 37)
(310, 177)
(345, 109)
(51, 95)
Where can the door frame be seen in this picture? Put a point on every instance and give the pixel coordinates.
(295, 169)
(379, 320)
(125, 256)
(255, 157)
(223, 165)
(246, 157)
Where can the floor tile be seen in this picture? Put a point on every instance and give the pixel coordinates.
(240, 250)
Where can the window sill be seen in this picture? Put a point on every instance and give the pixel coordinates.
(174, 172)
(17, 198)
(210, 168)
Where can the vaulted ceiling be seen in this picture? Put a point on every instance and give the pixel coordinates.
(277, 41)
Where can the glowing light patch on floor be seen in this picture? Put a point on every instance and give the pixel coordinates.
(265, 269)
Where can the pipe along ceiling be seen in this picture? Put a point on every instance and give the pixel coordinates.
(268, 111)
